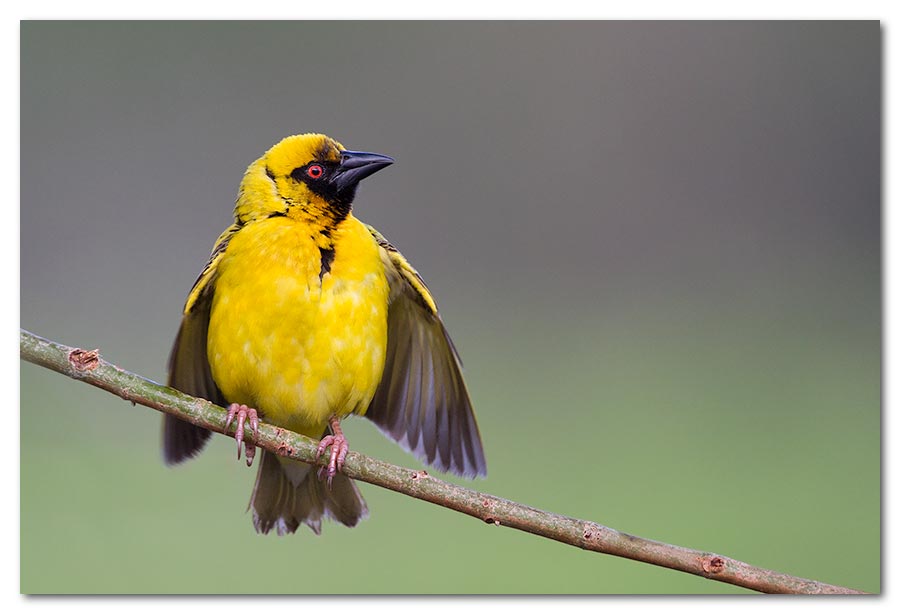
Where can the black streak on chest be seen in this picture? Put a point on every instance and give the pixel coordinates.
(327, 257)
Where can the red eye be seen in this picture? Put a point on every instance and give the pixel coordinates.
(315, 171)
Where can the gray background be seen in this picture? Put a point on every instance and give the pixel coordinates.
(656, 246)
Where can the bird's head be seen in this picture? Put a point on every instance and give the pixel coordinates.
(306, 175)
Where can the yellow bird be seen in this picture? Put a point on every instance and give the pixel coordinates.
(304, 315)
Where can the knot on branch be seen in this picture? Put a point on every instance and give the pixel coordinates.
(489, 507)
(591, 532)
(713, 564)
(284, 449)
(84, 360)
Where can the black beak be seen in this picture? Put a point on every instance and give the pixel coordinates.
(356, 166)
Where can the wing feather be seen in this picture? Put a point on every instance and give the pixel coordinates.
(422, 401)
(189, 369)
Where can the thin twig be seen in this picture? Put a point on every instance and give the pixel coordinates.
(87, 366)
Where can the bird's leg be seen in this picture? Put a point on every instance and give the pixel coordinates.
(339, 449)
(243, 414)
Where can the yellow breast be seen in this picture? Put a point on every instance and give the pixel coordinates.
(295, 346)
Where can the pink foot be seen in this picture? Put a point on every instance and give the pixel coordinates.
(339, 449)
(244, 414)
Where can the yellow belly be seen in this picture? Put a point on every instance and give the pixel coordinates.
(296, 348)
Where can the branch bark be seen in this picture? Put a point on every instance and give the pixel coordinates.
(87, 366)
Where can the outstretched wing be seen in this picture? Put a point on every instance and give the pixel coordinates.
(189, 369)
(422, 401)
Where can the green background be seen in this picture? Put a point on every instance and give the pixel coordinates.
(656, 246)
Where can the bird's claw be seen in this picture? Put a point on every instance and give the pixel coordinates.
(243, 414)
(339, 449)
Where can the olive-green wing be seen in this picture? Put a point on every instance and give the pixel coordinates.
(422, 401)
(189, 369)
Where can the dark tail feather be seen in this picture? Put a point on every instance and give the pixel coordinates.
(288, 493)
(181, 440)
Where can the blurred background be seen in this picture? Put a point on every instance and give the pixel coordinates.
(656, 246)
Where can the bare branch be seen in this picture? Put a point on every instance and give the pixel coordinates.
(87, 366)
